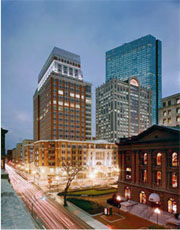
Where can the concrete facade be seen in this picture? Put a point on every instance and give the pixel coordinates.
(123, 109)
(169, 114)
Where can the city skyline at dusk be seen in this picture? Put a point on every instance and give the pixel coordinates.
(31, 29)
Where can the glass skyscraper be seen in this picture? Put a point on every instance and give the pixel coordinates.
(140, 58)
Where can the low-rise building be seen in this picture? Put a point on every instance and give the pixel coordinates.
(98, 157)
(169, 114)
(149, 164)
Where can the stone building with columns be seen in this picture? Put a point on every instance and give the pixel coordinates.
(149, 168)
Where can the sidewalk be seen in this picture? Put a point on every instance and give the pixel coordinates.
(83, 215)
(147, 213)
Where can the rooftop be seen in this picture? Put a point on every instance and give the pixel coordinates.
(13, 212)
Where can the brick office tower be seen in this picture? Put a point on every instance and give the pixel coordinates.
(62, 101)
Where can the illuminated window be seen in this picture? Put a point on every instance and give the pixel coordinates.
(158, 177)
(169, 120)
(164, 113)
(128, 173)
(127, 193)
(178, 101)
(174, 159)
(172, 206)
(174, 180)
(178, 119)
(142, 197)
(158, 159)
(145, 159)
(145, 176)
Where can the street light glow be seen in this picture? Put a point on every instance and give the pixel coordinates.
(118, 198)
(157, 211)
(91, 175)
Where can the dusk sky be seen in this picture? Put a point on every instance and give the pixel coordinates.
(30, 30)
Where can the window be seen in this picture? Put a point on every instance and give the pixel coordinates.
(169, 103)
(128, 173)
(65, 69)
(127, 193)
(174, 159)
(145, 159)
(164, 104)
(169, 120)
(172, 206)
(178, 119)
(142, 197)
(169, 112)
(158, 159)
(59, 68)
(70, 71)
(164, 121)
(158, 177)
(164, 113)
(144, 176)
(174, 180)
(178, 101)
(178, 110)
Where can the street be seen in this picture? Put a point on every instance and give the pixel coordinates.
(51, 214)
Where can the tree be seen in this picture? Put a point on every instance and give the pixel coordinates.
(70, 174)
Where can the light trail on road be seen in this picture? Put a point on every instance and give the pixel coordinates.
(53, 215)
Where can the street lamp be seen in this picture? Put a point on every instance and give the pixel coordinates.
(157, 211)
(33, 203)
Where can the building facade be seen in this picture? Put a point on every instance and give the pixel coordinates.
(123, 109)
(62, 101)
(149, 164)
(140, 58)
(169, 114)
(3, 147)
(46, 156)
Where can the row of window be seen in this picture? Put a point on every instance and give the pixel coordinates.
(172, 204)
(174, 159)
(169, 102)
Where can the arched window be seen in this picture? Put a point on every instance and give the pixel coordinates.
(174, 180)
(174, 159)
(142, 197)
(127, 193)
(172, 206)
(158, 159)
(128, 173)
(158, 177)
(145, 175)
(145, 159)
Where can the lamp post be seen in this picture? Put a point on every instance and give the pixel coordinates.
(157, 211)
(33, 203)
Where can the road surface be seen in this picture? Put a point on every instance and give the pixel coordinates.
(51, 214)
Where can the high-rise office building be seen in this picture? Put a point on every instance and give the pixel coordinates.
(62, 101)
(140, 58)
(123, 109)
